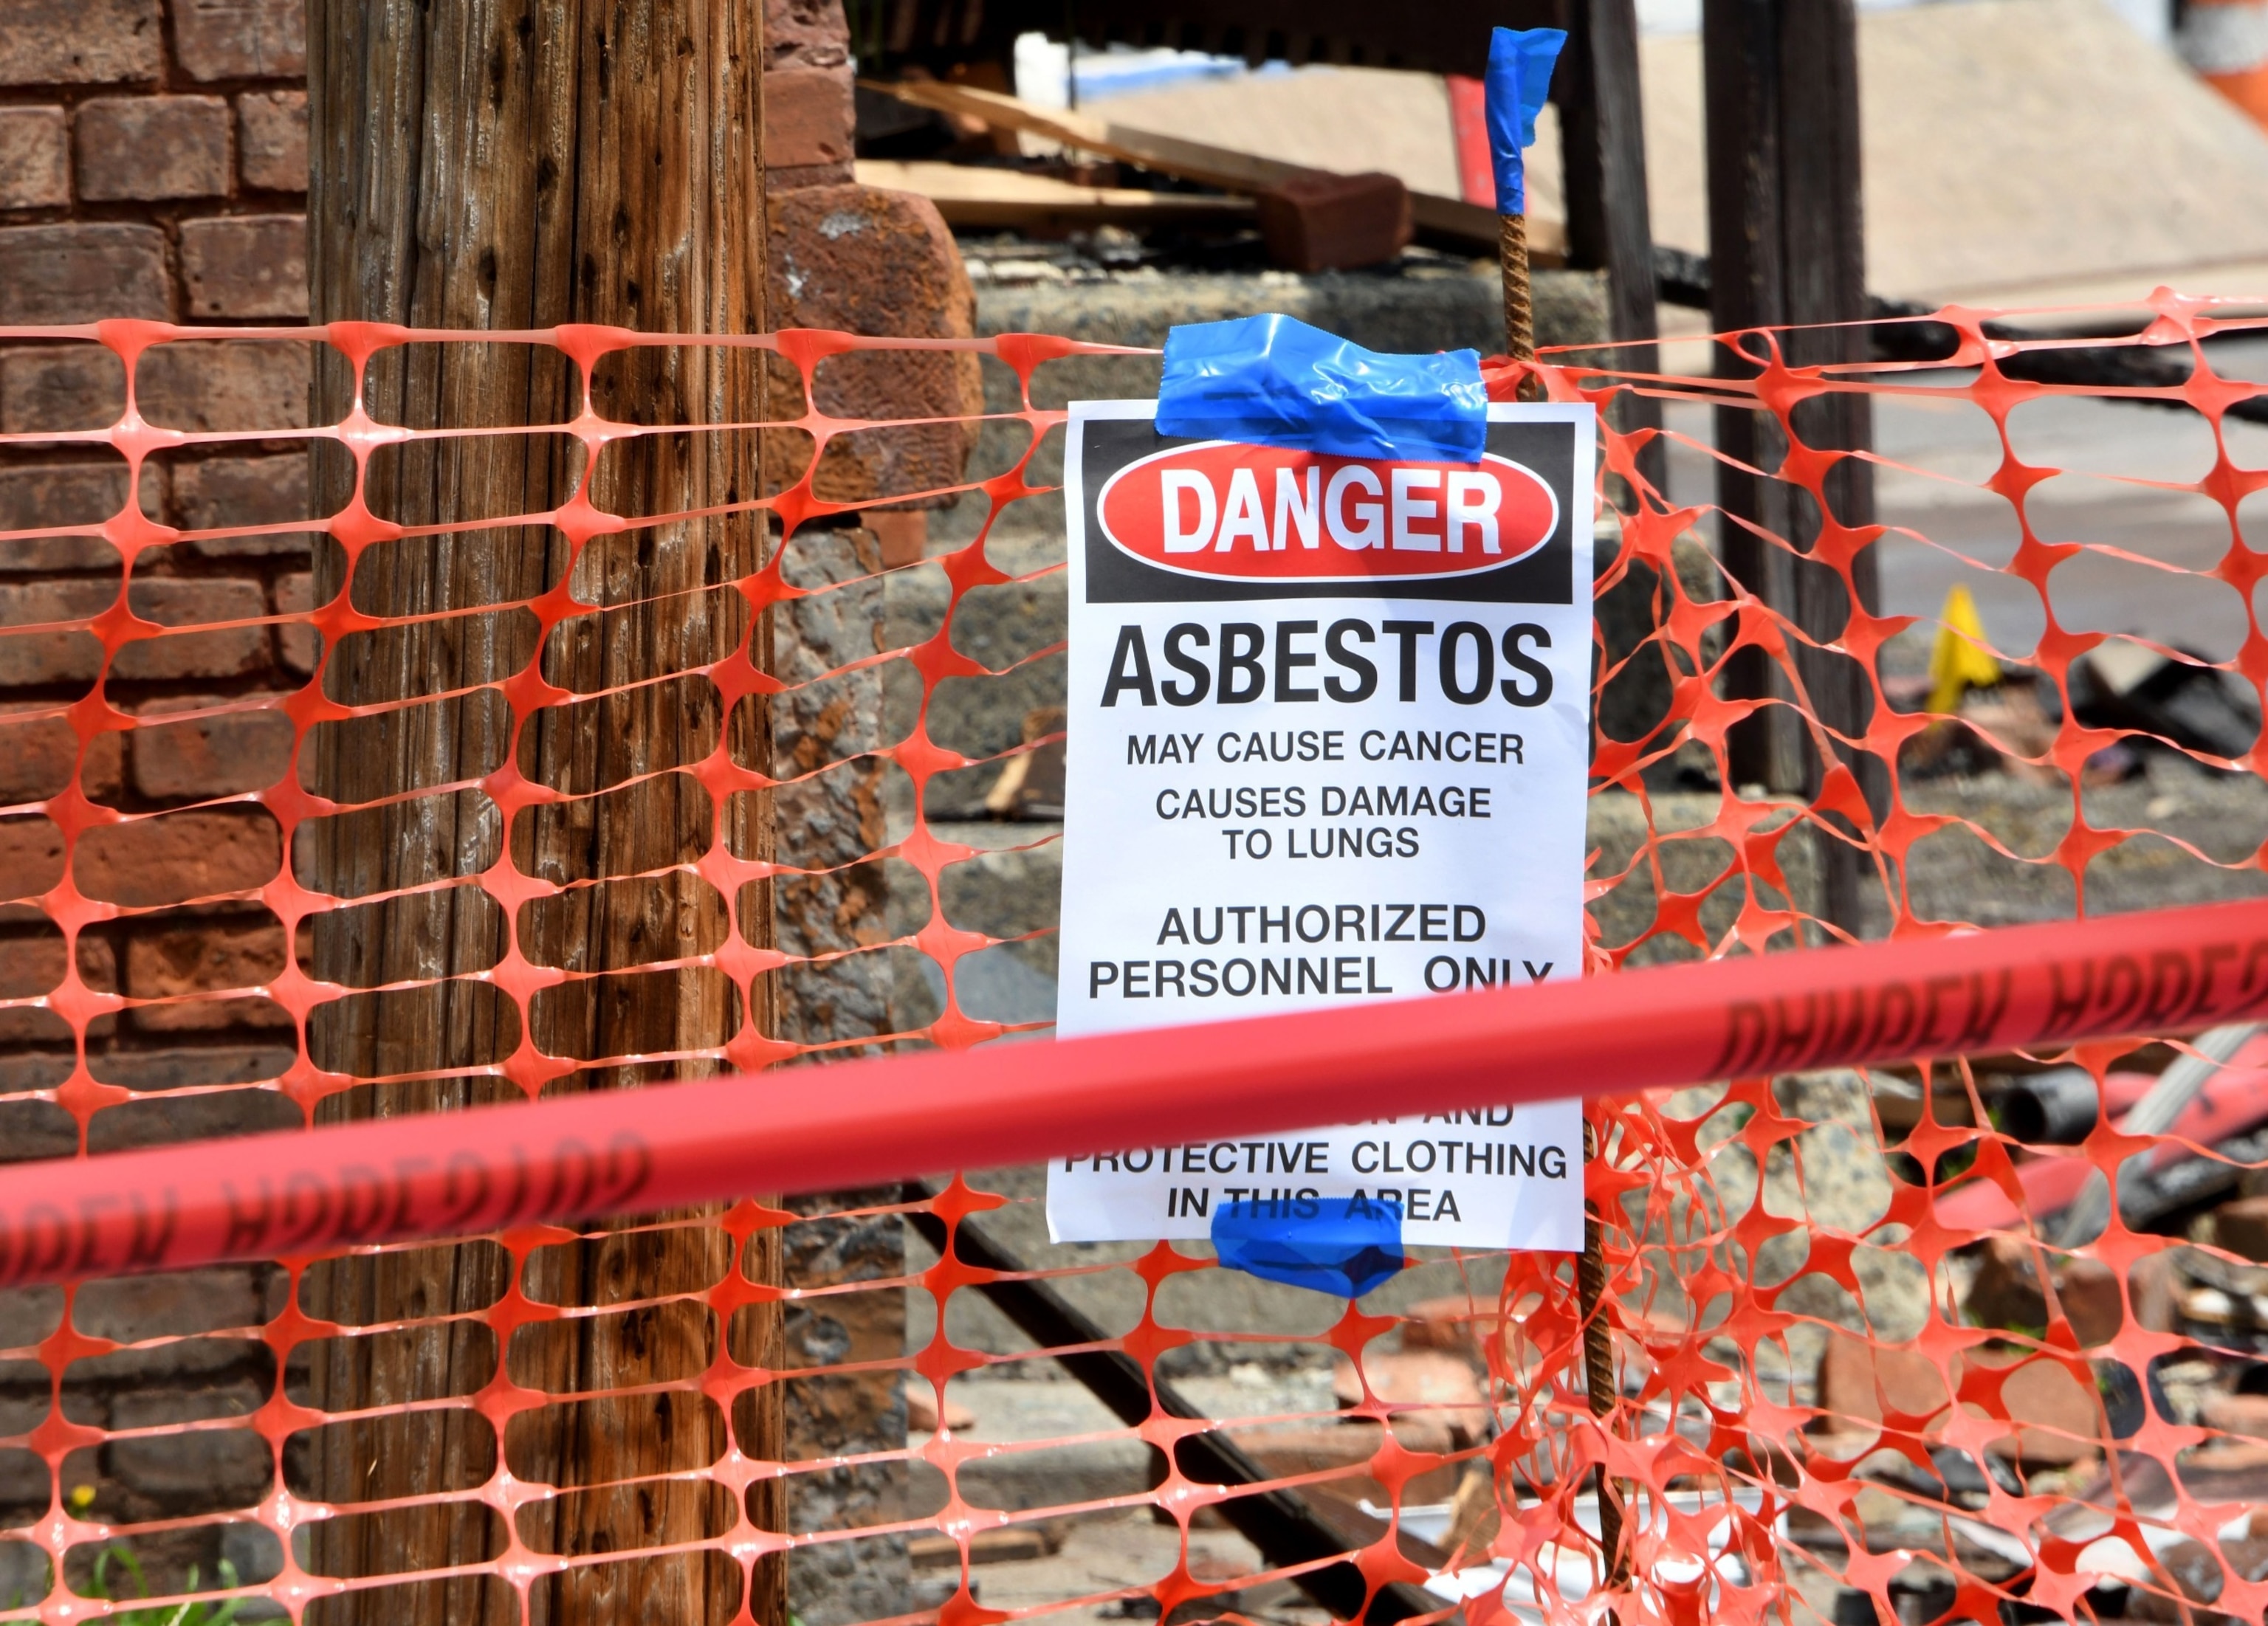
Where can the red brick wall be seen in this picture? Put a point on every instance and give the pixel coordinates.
(153, 163)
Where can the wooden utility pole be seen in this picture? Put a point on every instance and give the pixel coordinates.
(1786, 249)
(480, 165)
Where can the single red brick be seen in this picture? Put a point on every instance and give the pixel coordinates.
(245, 265)
(30, 965)
(212, 756)
(80, 42)
(149, 147)
(42, 495)
(224, 653)
(271, 140)
(1332, 222)
(300, 645)
(220, 493)
(241, 39)
(176, 858)
(2057, 1412)
(224, 385)
(31, 857)
(201, 956)
(1858, 1379)
(187, 1069)
(38, 757)
(861, 259)
(60, 387)
(34, 159)
(57, 655)
(806, 34)
(2087, 1290)
(83, 271)
(808, 117)
(34, 964)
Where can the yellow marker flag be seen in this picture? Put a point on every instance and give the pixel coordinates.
(1957, 660)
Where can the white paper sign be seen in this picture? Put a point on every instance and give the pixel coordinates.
(1328, 744)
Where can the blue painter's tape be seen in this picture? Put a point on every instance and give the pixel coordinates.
(1346, 1247)
(1520, 66)
(1275, 381)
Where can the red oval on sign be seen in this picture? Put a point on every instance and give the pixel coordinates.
(1263, 514)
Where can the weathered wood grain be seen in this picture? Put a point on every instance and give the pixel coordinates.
(497, 164)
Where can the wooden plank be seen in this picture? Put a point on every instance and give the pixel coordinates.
(971, 195)
(468, 171)
(1785, 248)
(1469, 224)
(1602, 134)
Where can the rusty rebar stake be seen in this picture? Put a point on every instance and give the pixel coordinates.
(1591, 1271)
(1598, 1366)
(1519, 297)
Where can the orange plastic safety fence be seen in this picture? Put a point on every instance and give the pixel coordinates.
(288, 842)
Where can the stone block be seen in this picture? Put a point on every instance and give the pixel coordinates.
(245, 265)
(58, 656)
(176, 858)
(212, 756)
(808, 121)
(225, 385)
(81, 42)
(241, 39)
(224, 652)
(1335, 222)
(151, 147)
(271, 140)
(83, 271)
(807, 33)
(34, 158)
(865, 261)
(34, 965)
(59, 386)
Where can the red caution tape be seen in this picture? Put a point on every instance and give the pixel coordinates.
(2028, 987)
